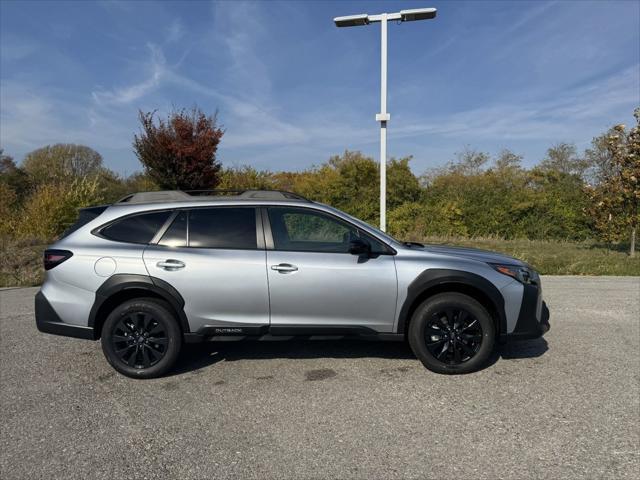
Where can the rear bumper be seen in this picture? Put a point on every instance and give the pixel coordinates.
(533, 320)
(48, 321)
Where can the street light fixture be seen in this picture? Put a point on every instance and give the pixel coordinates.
(352, 20)
(383, 117)
(418, 14)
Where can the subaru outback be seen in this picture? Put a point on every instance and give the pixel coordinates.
(158, 270)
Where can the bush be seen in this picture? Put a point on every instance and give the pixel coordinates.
(52, 208)
(7, 205)
(245, 178)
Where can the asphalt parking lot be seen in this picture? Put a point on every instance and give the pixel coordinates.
(565, 406)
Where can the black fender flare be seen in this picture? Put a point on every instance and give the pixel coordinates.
(434, 277)
(124, 281)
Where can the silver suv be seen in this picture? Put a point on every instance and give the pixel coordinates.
(157, 270)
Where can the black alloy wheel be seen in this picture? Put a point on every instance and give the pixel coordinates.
(139, 340)
(452, 333)
(453, 336)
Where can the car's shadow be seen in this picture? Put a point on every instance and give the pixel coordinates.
(524, 349)
(198, 356)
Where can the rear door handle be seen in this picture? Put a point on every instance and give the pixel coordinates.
(171, 264)
(284, 268)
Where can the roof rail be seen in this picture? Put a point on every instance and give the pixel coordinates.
(194, 195)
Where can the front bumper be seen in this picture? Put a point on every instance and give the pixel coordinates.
(533, 320)
(48, 321)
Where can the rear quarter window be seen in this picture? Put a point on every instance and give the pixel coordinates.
(85, 216)
(139, 228)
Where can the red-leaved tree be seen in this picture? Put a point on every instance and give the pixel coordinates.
(179, 153)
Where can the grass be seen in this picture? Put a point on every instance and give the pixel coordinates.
(554, 257)
(21, 262)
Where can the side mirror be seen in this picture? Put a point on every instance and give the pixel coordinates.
(358, 246)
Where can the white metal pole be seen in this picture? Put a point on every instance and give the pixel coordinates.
(383, 123)
(383, 117)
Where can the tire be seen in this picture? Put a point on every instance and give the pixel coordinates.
(141, 338)
(459, 345)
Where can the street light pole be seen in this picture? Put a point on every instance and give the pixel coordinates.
(383, 117)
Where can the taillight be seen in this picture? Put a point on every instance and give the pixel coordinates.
(53, 258)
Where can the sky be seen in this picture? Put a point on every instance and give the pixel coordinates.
(291, 89)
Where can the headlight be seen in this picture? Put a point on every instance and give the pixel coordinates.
(522, 274)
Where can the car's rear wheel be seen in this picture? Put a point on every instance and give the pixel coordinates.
(452, 333)
(141, 338)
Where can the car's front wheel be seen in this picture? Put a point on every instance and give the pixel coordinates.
(452, 333)
(141, 338)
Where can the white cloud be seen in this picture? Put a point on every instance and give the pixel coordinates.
(175, 32)
(528, 16)
(562, 115)
(259, 126)
(14, 48)
(241, 27)
(33, 117)
(131, 93)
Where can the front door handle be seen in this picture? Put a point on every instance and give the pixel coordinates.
(171, 264)
(284, 268)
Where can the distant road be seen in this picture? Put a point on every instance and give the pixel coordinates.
(563, 407)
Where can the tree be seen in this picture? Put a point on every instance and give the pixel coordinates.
(616, 198)
(13, 177)
(563, 158)
(179, 153)
(599, 159)
(507, 161)
(469, 162)
(6, 162)
(355, 188)
(58, 162)
(403, 186)
(557, 205)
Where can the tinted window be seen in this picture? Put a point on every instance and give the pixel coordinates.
(136, 228)
(311, 231)
(223, 228)
(86, 215)
(176, 234)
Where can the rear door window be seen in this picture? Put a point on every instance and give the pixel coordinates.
(136, 228)
(224, 227)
